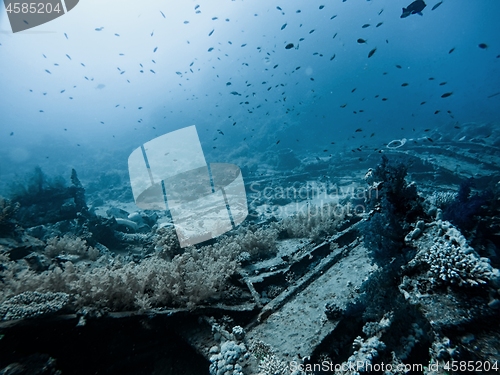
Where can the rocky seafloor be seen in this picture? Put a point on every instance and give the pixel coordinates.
(384, 263)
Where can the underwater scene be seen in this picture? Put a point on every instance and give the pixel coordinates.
(243, 187)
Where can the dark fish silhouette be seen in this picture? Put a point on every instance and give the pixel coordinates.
(289, 46)
(370, 54)
(437, 5)
(414, 8)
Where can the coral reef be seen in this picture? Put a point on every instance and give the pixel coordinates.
(43, 200)
(395, 204)
(30, 304)
(451, 261)
(73, 245)
(314, 222)
(466, 206)
(8, 210)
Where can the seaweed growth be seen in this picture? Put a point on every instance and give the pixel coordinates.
(396, 204)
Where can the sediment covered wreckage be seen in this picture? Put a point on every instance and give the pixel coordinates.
(326, 302)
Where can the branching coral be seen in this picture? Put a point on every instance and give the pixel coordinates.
(451, 261)
(451, 264)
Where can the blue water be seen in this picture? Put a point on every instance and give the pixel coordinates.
(98, 102)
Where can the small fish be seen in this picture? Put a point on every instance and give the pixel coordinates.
(331, 58)
(321, 7)
(442, 83)
(152, 71)
(370, 54)
(283, 27)
(48, 71)
(437, 5)
(66, 35)
(162, 14)
(278, 142)
(379, 24)
(44, 55)
(228, 83)
(220, 131)
(446, 94)
(82, 64)
(11, 134)
(358, 130)
(243, 45)
(414, 8)
(381, 10)
(211, 32)
(210, 49)
(430, 139)
(313, 30)
(361, 41)
(289, 46)
(365, 26)
(399, 66)
(404, 84)
(68, 56)
(62, 91)
(332, 17)
(451, 50)
(279, 8)
(117, 34)
(235, 93)
(482, 45)
(99, 28)
(156, 49)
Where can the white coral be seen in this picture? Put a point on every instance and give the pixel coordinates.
(226, 361)
(452, 264)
